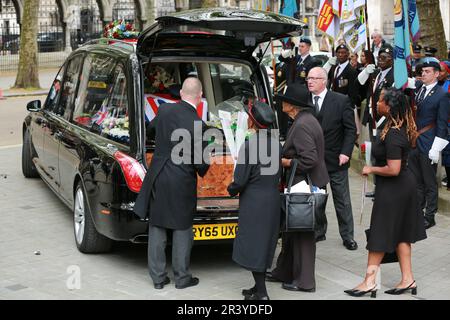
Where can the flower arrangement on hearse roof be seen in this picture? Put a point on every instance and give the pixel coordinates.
(120, 30)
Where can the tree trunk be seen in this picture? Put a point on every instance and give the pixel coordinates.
(28, 74)
(431, 26)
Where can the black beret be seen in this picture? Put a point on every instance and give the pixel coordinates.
(342, 46)
(430, 51)
(386, 48)
(417, 47)
(305, 40)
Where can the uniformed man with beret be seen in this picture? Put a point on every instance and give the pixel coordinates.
(430, 51)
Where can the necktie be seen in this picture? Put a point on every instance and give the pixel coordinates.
(421, 94)
(335, 76)
(316, 104)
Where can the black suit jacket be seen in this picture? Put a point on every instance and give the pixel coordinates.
(298, 71)
(337, 119)
(169, 191)
(344, 83)
(373, 94)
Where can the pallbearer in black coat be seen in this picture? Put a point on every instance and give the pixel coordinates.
(256, 180)
(169, 192)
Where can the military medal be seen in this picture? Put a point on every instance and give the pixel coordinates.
(303, 74)
(280, 74)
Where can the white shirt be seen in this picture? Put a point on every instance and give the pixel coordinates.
(429, 87)
(321, 98)
(341, 68)
(304, 57)
(190, 104)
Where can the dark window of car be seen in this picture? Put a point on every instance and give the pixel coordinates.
(69, 87)
(95, 89)
(55, 91)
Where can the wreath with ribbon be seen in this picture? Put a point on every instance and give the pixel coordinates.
(120, 30)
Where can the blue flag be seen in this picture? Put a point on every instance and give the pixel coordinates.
(413, 18)
(401, 43)
(288, 7)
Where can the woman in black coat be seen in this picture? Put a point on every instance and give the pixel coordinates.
(305, 143)
(257, 183)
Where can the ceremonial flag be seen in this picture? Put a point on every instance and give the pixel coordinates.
(152, 103)
(288, 7)
(413, 19)
(356, 36)
(401, 43)
(327, 21)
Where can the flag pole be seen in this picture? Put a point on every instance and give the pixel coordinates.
(366, 21)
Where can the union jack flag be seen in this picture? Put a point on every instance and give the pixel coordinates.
(152, 103)
(100, 116)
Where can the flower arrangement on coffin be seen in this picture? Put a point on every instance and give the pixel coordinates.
(117, 129)
(120, 30)
(160, 80)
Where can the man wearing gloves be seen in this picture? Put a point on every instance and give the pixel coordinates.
(431, 120)
(384, 79)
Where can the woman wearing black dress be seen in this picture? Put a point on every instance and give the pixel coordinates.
(396, 220)
(256, 179)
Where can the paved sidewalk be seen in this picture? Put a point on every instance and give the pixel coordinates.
(8, 78)
(33, 219)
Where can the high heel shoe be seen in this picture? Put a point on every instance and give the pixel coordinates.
(360, 293)
(397, 291)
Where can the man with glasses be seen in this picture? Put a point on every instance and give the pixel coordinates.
(335, 114)
(431, 119)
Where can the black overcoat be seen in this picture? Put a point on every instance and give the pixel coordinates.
(337, 119)
(168, 196)
(259, 204)
(344, 83)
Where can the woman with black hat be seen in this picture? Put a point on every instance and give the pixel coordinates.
(305, 143)
(256, 180)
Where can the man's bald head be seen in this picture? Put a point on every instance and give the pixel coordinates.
(317, 80)
(191, 89)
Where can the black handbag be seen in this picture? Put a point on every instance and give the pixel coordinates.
(388, 257)
(302, 210)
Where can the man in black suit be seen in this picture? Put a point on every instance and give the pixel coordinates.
(169, 192)
(336, 116)
(342, 76)
(384, 78)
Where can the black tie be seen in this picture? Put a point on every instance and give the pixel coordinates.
(316, 104)
(421, 95)
(335, 77)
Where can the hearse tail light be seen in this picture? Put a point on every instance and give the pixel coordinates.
(134, 172)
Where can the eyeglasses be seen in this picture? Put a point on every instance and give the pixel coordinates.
(314, 79)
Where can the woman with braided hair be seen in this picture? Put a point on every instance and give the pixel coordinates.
(396, 220)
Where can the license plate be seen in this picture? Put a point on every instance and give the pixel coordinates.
(215, 231)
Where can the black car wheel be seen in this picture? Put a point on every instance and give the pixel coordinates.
(87, 238)
(28, 167)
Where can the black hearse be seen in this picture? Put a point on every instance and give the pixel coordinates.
(88, 140)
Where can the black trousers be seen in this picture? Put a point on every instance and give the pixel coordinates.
(427, 188)
(297, 260)
(343, 205)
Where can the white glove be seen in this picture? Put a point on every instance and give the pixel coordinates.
(331, 62)
(433, 155)
(438, 145)
(411, 83)
(364, 75)
(286, 53)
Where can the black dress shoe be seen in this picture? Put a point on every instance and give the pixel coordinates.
(429, 222)
(350, 244)
(192, 282)
(360, 293)
(249, 292)
(397, 291)
(293, 287)
(321, 238)
(271, 278)
(256, 296)
(161, 285)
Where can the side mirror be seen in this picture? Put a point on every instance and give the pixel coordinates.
(34, 105)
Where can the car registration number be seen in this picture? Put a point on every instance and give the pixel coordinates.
(215, 231)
